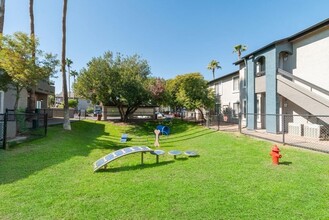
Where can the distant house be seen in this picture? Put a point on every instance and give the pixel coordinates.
(227, 92)
(287, 76)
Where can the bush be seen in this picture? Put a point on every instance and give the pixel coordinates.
(73, 103)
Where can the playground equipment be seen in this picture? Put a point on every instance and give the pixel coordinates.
(157, 153)
(275, 153)
(120, 153)
(124, 138)
(163, 129)
(191, 153)
(175, 153)
(156, 143)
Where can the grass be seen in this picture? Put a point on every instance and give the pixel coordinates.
(233, 178)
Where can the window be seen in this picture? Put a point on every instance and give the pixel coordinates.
(218, 88)
(235, 111)
(244, 108)
(235, 83)
(260, 67)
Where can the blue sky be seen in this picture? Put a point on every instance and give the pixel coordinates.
(174, 36)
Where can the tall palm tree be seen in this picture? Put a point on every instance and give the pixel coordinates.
(68, 64)
(239, 49)
(213, 65)
(66, 125)
(74, 73)
(31, 103)
(2, 15)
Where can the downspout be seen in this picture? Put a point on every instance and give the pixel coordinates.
(246, 89)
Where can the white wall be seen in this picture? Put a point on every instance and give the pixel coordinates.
(228, 95)
(311, 56)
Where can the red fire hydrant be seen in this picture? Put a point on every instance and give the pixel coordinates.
(275, 153)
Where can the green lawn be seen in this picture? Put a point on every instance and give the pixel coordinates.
(233, 178)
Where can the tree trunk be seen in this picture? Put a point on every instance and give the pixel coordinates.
(202, 116)
(2, 15)
(31, 104)
(213, 73)
(17, 96)
(66, 125)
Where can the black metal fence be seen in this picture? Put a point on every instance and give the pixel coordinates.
(305, 131)
(17, 126)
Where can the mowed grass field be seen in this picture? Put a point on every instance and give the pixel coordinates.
(233, 178)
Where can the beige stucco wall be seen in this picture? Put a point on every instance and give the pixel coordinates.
(311, 57)
(10, 96)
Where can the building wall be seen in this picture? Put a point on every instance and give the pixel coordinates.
(10, 96)
(309, 60)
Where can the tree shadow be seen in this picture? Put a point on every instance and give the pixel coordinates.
(27, 158)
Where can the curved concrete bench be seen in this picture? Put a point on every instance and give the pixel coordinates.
(102, 162)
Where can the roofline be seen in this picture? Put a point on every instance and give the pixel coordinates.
(292, 37)
(224, 76)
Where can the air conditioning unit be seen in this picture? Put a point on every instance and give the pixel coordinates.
(295, 129)
(313, 130)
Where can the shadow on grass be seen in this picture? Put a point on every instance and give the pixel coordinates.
(27, 158)
(287, 163)
(131, 168)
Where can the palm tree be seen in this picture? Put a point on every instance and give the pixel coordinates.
(32, 91)
(74, 73)
(239, 49)
(66, 125)
(68, 64)
(213, 65)
(2, 15)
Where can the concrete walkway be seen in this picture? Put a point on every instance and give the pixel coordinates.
(293, 140)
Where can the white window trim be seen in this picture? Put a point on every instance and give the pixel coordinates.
(235, 91)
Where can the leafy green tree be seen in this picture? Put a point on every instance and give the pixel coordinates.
(213, 65)
(119, 81)
(238, 49)
(2, 15)
(193, 92)
(21, 69)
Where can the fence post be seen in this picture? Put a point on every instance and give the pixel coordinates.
(45, 121)
(240, 122)
(4, 140)
(218, 117)
(283, 130)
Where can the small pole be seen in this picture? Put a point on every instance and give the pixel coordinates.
(283, 130)
(4, 139)
(142, 157)
(46, 123)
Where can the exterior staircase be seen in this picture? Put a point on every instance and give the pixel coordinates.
(310, 97)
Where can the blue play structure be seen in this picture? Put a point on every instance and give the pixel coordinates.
(124, 138)
(163, 129)
(102, 162)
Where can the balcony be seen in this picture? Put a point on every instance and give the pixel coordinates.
(45, 87)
